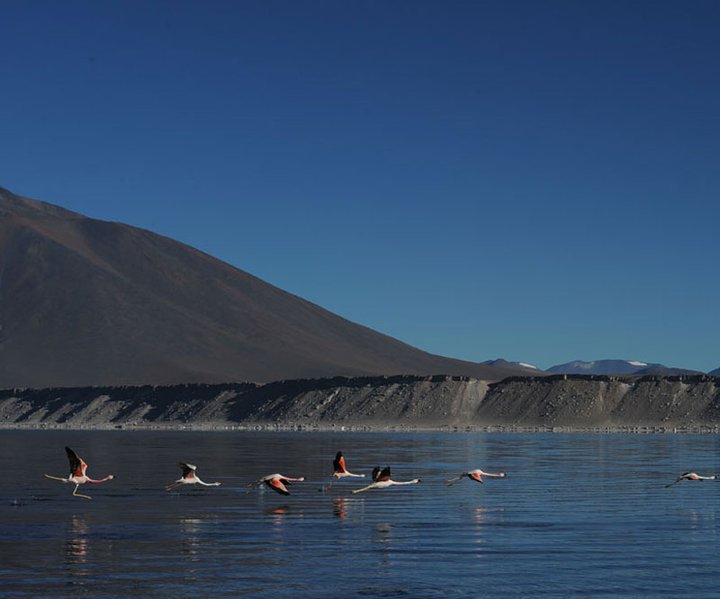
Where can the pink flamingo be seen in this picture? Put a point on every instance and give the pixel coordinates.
(476, 475)
(382, 480)
(189, 478)
(77, 474)
(277, 482)
(691, 476)
(341, 470)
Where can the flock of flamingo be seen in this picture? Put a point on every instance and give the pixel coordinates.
(277, 482)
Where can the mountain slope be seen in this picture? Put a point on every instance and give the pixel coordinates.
(88, 302)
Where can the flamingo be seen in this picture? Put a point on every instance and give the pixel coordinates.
(382, 480)
(189, 478)
(77, 474)
(476, 475)
(277, 482)
(692, 476)
(341, 470)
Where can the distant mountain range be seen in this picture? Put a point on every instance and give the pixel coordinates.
(600, 367)
(528, 368)
(87, 302)
(617, 367)
(597, 367)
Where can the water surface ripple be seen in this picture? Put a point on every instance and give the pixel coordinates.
(578, 515)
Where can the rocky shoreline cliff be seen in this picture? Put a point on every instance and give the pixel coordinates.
(688, 402)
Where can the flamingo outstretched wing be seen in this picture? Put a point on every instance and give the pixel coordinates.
(77, 465)
(278, 485)
(382, 475)
(339, 463)
(188, 470)
(475, 476)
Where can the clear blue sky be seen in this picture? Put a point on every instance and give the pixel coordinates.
(530, 180)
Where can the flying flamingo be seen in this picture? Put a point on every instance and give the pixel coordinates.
(692, 476)
(77, 474)
(476, 475)
(341, 470)
(382, 480)
(189, 478)
(277, 482)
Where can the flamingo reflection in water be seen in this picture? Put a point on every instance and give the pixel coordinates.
(77, 547)
(78, 553)
(340, 505)
(191, 545)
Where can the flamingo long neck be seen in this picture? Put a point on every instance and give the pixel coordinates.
(99, 480)
(204, 484)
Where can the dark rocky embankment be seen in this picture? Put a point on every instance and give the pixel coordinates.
(691, 402)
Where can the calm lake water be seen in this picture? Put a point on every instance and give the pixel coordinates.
(578, 515)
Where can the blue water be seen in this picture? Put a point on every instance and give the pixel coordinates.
(578, 515)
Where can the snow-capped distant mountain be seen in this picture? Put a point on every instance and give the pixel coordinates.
(604, 367)
(715, 372)
(506, 364)
(619, 367)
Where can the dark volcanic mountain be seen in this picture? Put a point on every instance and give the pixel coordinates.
(88, 302)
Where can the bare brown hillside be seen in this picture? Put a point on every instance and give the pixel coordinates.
(88, 302)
